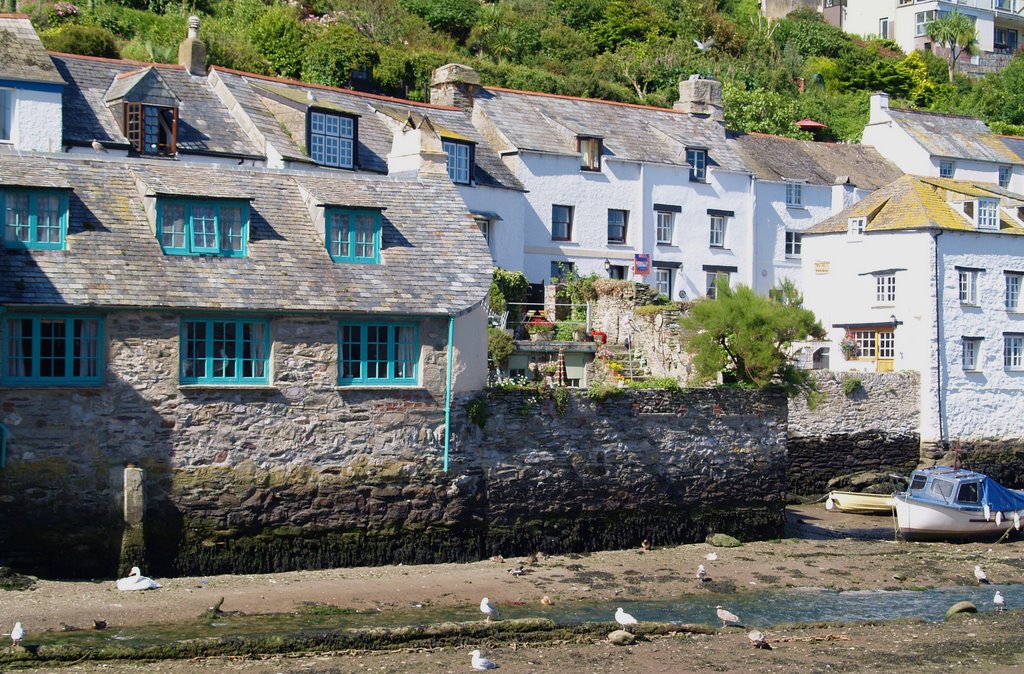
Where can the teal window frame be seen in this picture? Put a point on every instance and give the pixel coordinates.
(31, 214)
(350, 244)
(67, 352)
(370, 353)
(217, 334)
(194, 235)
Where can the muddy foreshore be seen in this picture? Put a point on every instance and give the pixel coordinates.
(821, 550)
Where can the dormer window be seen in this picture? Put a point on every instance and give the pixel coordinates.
(331, 139)
(988, 214)
(203, 227)
(34, 218)
(590, 153)
(855, 227)
(151, 129)
(6, 113)
(698, 161)
(353, 235)
(460, 161)
(946, 168)
(1005, 172)
(794, 194)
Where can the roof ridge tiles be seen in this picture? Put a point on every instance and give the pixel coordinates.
(341, 90)
(112, 61)
(938, 114)
(583, 98)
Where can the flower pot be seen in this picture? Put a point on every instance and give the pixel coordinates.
(540, 336)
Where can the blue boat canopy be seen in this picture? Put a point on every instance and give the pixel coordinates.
(966, 489)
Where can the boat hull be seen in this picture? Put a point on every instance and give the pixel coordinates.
(929, 521)
(860, 503)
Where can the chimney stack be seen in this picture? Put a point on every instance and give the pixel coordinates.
(700, 97)
(416, 148)
(192, 51)
(455, 85)
(879, 109)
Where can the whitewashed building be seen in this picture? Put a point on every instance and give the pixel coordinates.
(30, 90)
(797, 184)
(926, 274)
(607, 182)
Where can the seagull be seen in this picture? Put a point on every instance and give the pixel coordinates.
(757, 638)
(726, 616)
(517, 571)
(546, 600)
(979, 574)
(702, 573)
(311, 97)
(999, 601)
(646, 546)
(481, 663)
(98, 146)
(136, 581)
(487, 608)
(711, 556)
(17, 634)
(624, 618)
(705, 45)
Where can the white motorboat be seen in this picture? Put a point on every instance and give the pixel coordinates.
(944, 502)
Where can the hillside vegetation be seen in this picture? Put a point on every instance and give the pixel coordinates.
(624, 50)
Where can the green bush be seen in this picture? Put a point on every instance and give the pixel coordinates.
(561, 396)
(476, 411)
(602, 391)
(278, 36)
(851, 384)
(333, 53)
(564, 332)
(500, 346)
(84, 40)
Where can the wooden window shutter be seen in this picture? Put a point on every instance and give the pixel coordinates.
(133, 125)
(174, 131)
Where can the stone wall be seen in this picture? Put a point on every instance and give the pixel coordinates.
(875, 427)
(300, 474)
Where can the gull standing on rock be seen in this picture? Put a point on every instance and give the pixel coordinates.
(487, 608)
(999, 601)
(481, 663)
(17, 634)
(702, 573)
(980, 575)
(624, 618)
(726, 616)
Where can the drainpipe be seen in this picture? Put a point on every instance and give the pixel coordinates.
(3, 446)
(448, 390)
(939, 339)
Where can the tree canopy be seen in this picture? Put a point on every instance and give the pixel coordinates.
(747, 337)
(957, 33)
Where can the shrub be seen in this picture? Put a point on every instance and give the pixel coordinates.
(277, 35)
(602, 391)
(500, 346)
(476, 411)
(851, 383)
(333, 53)
(84, 40)
(561, 395)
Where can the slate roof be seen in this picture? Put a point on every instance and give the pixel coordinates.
(22, 55)
(778, 158)
(550, 123)
(204, 123)
(914, 202)
(374, 135)
(435, 260)
(954, 136)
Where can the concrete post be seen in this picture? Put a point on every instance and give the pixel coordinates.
(133, 539)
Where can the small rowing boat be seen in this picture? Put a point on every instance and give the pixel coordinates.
(860, 503)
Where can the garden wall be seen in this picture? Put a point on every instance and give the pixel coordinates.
(873, 427)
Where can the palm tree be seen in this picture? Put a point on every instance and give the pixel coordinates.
(957, 33)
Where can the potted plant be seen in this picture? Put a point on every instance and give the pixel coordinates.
(848, 345)
(539, 329)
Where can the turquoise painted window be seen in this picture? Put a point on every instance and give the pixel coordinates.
(215, 351)
(378, 353)
(208, 227)
(34, 218)
(353, 235)
(52, 350)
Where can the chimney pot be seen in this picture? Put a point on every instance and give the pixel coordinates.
(454, 85)
(192, 51)
(700, 97)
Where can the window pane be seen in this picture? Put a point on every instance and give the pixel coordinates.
(664, 228)
(253, 350)
(18, 352)
(405, 352)
(376, 352)
(1013, 283)
(6, 103)
(172, 226)
(231, 229)
(204, 228)
(561, 223)
(86, 349)
(616, 226)
(340, 233)
(886, 345)
(365, 236)
(52, 348)
(224, 350)
(16, 221)
(193, 365)
(151, 130)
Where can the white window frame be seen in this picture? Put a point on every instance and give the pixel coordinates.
(967, 284)
(970, 350)
(710, 278)
(855, 227)
(1013, 351)
(1014, 285)
(664, 227)
(332, 139)
(697, 158)
(987, 214)
(794, 244)
(459, 163)
(717, 235)
(921, 21)
(6, 115)
(885, 289)
(485, 228)
(663, 281)
(947, 168)
(794, 194)
(1005, 173)
(883, 27)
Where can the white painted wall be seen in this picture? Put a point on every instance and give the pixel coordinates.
(861, 18)
(37, 121)
(506, 241)
(772, 219)
(894, 143)
(469, 368)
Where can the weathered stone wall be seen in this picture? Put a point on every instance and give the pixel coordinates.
(300, 474)
(873, 428)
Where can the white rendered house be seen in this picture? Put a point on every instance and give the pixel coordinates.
(926, 274)
(606, 182)
(30, 90)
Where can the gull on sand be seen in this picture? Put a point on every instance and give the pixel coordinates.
(624, 618)
(726, 616)
(702, 573)
(757, 638)
(136, 581)
(980, 575)
(481, 663)
(17, 634)
(999, 601)
(487, 608)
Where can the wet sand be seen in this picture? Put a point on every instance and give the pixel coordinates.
(822, 549)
